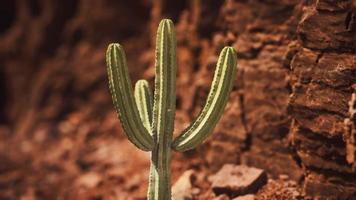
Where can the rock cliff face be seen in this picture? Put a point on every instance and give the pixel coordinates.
(291, 112)
(323, 75)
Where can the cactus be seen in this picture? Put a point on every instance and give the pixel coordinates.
(149, 121)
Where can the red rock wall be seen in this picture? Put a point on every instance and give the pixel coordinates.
(293, 93)
(323, 76)
(292, 110)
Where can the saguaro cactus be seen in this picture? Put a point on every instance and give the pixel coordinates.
(149, 122)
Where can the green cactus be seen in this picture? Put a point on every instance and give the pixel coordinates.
(149, 121)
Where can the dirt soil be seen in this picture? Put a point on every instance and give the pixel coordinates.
(292, 111)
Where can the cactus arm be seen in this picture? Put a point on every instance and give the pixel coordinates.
(163, 111)
(143, 98)
(165, 86)
(214, 106)
(123, 99)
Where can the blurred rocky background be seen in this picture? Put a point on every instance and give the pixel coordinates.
(291, 114)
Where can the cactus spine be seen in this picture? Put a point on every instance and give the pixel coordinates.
(149, 121)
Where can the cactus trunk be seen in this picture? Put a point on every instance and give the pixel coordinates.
(160, 176)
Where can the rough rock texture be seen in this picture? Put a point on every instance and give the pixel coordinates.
(59, 134)
(236, 180)
(262, 40)
(183, 188)
(323, 72)
(275, 189)
(280, 189)
(350, 131)
(291, 112)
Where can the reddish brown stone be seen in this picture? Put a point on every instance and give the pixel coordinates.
(235, 180)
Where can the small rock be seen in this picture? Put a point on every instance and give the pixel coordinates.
(245, 197)
(222, 197)
(89, 180)
(183, 189)
(283, 177)
(235, 180)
